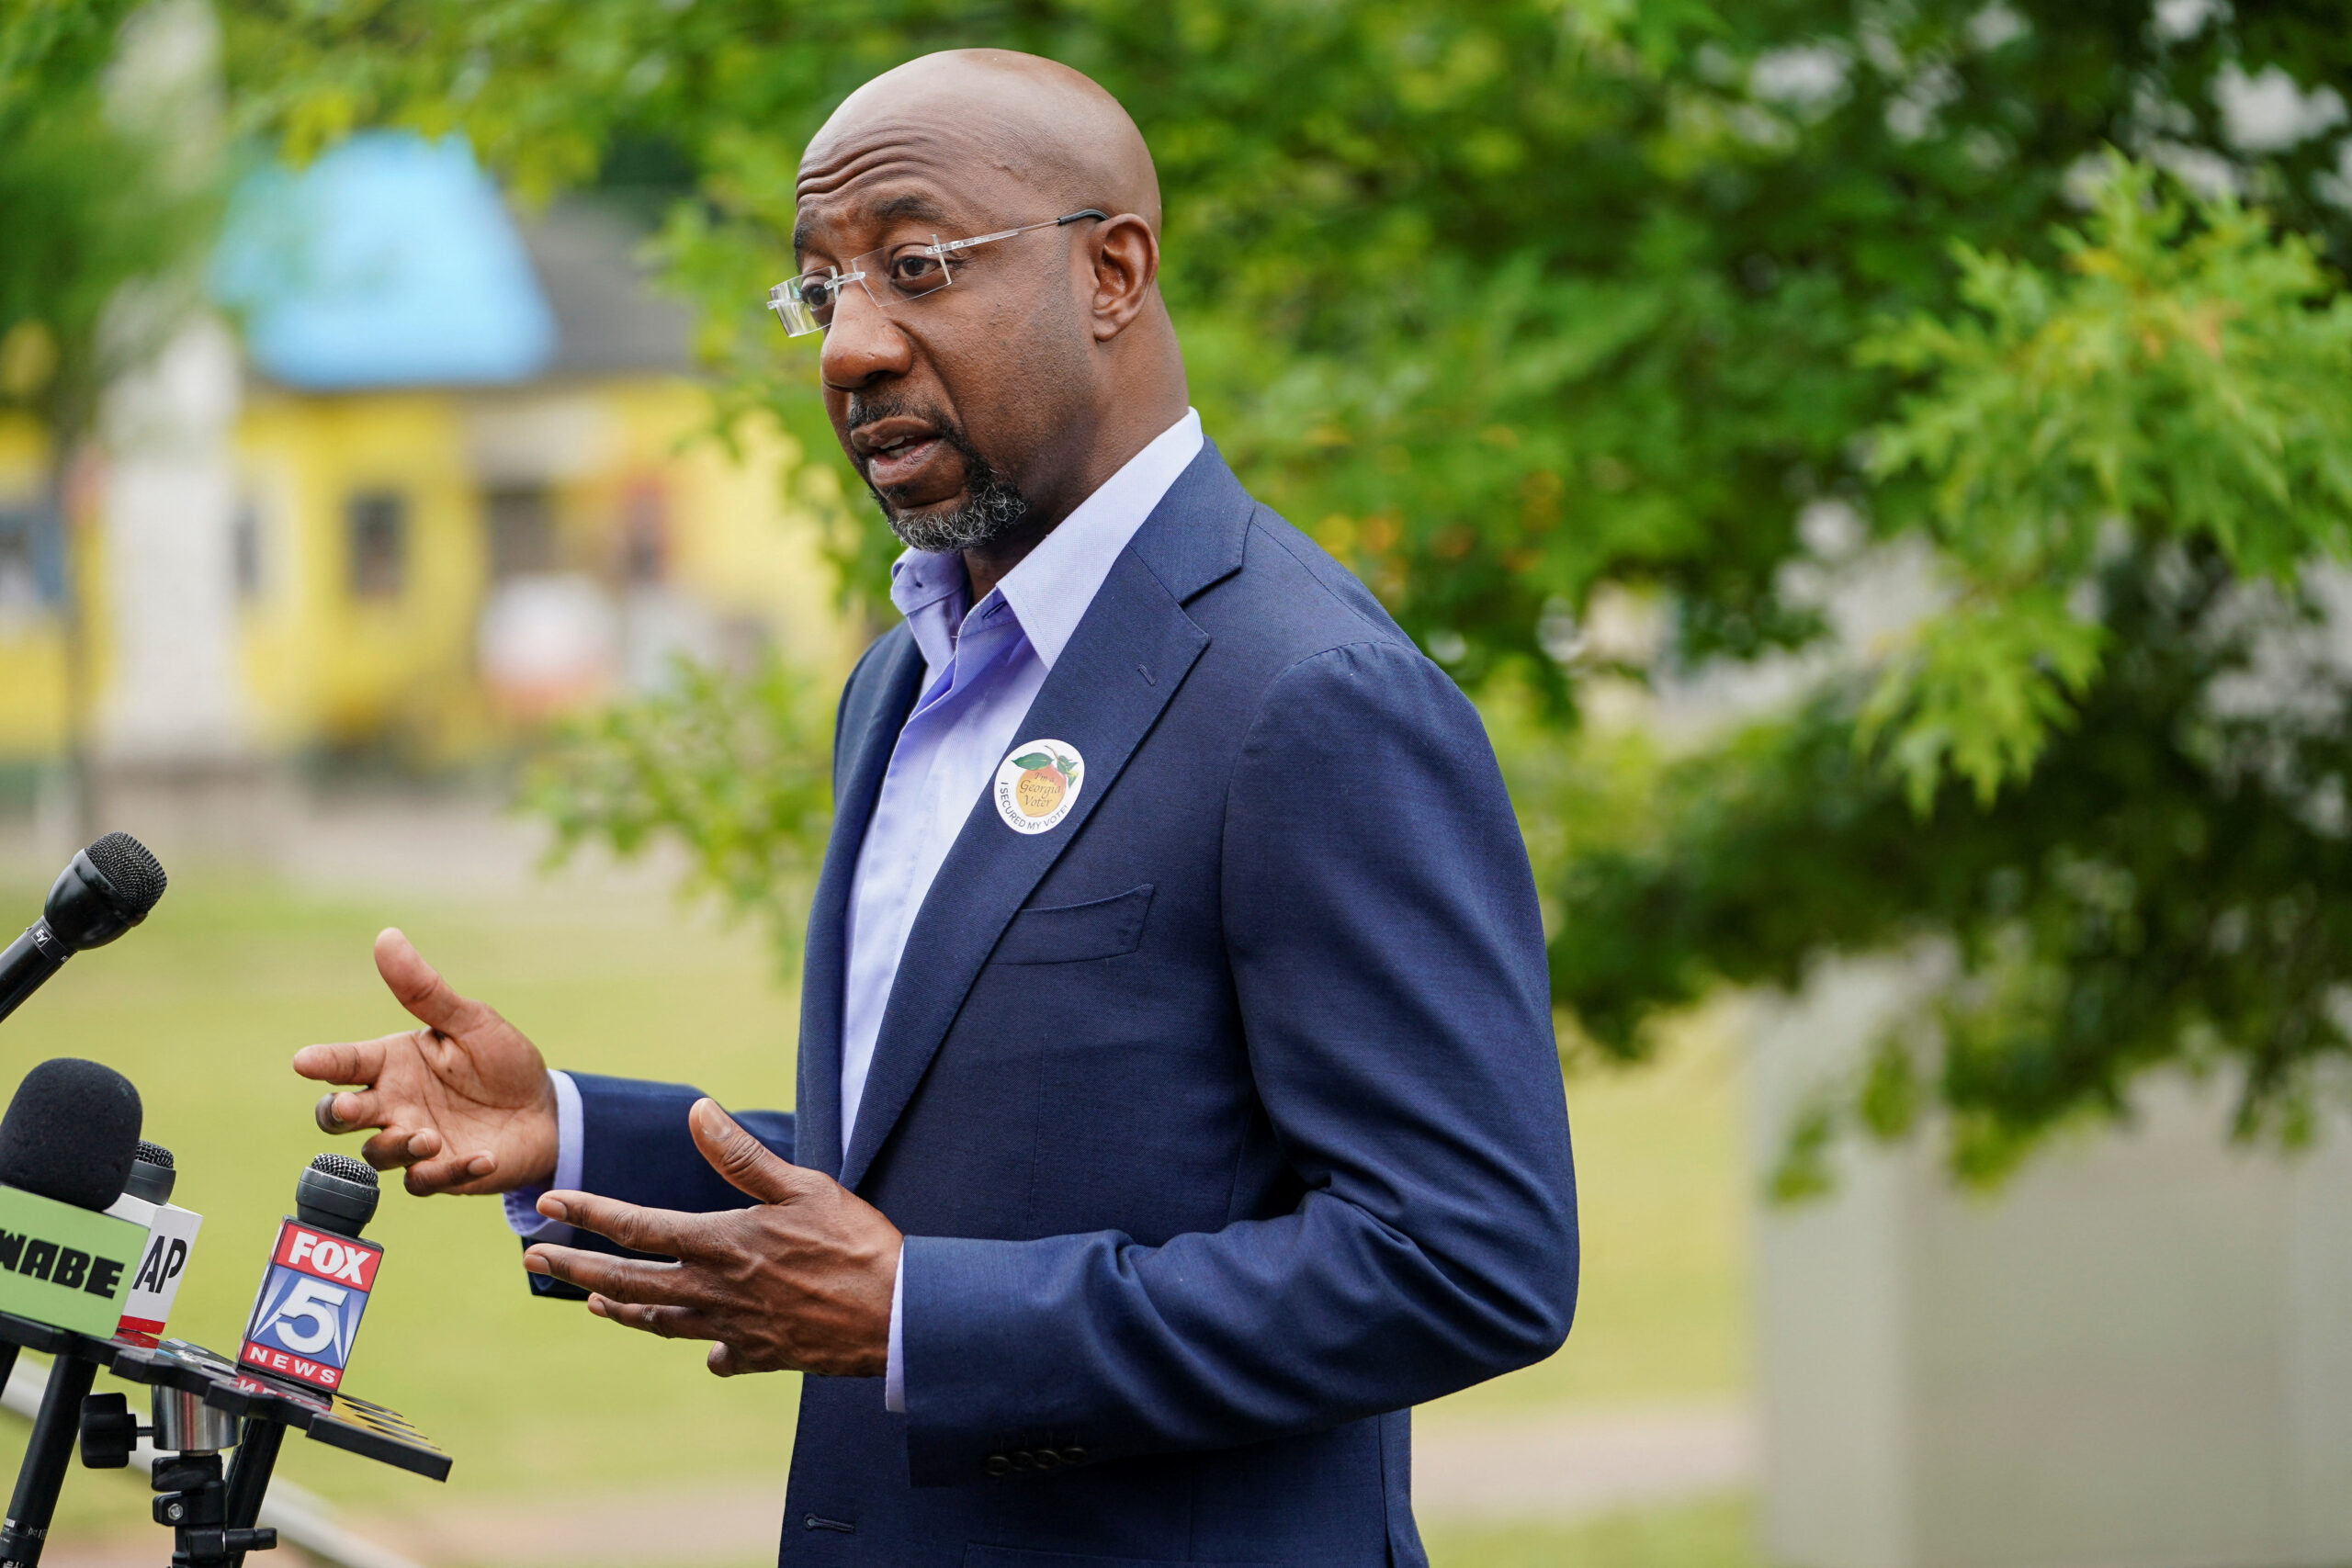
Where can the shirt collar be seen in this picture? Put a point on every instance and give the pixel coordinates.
(929, 591)
(1052, 586)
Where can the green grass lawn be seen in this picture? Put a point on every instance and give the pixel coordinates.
(203, 1005)
(1719, 1533)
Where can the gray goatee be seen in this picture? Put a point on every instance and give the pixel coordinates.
(993, 506)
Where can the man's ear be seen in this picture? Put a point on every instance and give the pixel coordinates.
(1126, 266)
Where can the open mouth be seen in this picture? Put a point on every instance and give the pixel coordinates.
(901, 460)
(897, 449)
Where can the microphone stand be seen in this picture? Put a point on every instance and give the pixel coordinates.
(249, 1475)
(47, 1455)
(203, 1403)
(191, 1496)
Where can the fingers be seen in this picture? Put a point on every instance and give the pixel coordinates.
(349, 1110)
(669, 1322)
(419, 985)
(428, 1172)
(458, 1174)
(662, 1232)
(360, 1062)
(624, 1280)
(742, 1159)
(397, 1146)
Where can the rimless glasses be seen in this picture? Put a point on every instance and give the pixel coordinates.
(891, 275)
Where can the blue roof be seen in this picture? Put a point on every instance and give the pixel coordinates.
(390, 261)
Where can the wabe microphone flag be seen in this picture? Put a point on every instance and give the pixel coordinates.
(64, 1265)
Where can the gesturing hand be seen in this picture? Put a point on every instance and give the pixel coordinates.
(800, 1281)
(463, 1103)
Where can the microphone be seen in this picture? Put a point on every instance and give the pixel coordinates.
(287, 1375)
(104, 891)
(67, 1144)
(170, 1235)
(305, 1316)
(69, 1134)
(320, 1273)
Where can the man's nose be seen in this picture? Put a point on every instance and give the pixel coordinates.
(863, 343)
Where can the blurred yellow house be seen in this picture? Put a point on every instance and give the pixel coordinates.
(452, 476)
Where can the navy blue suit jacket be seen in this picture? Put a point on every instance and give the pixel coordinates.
(1223, 1119)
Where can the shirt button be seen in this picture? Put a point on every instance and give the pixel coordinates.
(1024, 1459)
(1049, 1460)
(1073, 1455)
(996, 1465)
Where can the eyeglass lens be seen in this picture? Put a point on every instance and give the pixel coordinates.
(889, 276)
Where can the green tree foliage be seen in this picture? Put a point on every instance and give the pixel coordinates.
(105, 193)
(2181, 383)
(2111, 766)
(91, 198)
(733, 768)
(1518, 303)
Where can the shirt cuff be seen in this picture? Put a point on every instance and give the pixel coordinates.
(522, 1204)
(894, 1376)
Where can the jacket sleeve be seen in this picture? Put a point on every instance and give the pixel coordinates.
(635, 1146)
(1382, 929)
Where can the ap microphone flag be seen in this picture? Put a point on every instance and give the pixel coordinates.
(171, 1234)
(320, 1274)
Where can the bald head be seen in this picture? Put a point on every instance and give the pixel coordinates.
(1037, 120)
(984, 231)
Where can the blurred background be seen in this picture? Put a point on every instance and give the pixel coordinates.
(1883, 468)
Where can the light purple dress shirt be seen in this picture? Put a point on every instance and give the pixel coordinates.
(982, 666)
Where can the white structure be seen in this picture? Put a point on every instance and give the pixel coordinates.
(2137, 1355)
(170, 694)
(174, 699)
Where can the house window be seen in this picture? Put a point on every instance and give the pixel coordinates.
(377, 521)
(522, 532)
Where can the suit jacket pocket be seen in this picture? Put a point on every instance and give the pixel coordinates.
(1070, 933)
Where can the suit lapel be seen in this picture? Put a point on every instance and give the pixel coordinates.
(1133, 649)
(875, 710)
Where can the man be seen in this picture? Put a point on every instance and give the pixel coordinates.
(1177, 1102)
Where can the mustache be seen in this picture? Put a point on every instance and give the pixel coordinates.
(866, 409)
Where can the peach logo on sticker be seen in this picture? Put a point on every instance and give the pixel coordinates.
(1037, 784)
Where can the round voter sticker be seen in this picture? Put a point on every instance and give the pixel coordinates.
(1037, 784)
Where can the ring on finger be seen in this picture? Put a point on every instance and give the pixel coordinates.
(323, 1113)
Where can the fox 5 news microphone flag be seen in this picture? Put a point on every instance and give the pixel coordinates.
(311, 1298)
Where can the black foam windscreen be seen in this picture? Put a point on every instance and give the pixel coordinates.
(131, 869)
(71, 1132)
